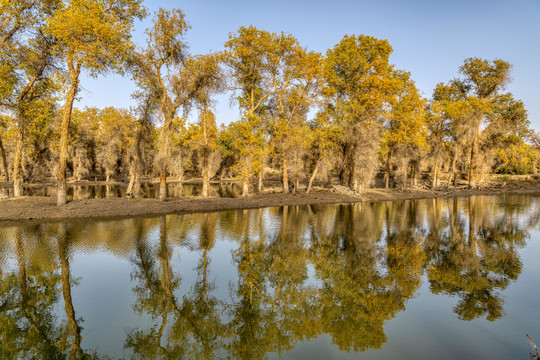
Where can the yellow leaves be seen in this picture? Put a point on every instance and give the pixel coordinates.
(166, 44)
(408, 117)
(95, 33)
(104, 126)
(514, 156)
(8, 79)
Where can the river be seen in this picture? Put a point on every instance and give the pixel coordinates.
(454, 278)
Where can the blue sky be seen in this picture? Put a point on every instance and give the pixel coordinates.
(431, 39)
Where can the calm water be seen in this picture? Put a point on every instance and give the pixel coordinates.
(148, 190)
(442, 278)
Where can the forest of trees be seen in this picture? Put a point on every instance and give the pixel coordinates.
(348, 116)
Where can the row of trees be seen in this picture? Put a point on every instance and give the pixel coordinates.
(348, 114)
(368, 261)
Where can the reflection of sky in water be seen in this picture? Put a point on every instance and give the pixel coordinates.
(103, 263)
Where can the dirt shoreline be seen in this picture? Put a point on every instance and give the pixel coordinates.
(44, 208)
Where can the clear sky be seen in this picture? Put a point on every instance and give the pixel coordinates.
(431, 39)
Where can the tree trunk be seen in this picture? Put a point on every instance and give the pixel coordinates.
(414, 174)
(77, 165)
(353, 178)
(134, 187)
(245, 187)
(205, 181)
(453, 172)
(435, 180)
(354, 183)
(313, 176)
(180, 170)
(387, 173)
(17, 161)
(205, 152)
(163, 186)
(260, 183)
(64, 133)
(4, 160)
(285, 177)
(472, 161)
(163, 157)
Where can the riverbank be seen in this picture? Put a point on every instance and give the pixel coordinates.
(44, 208)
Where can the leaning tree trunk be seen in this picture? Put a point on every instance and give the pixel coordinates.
(17, 161)
(64, 132)
(313, 176)
(4, 159)
(134, 187)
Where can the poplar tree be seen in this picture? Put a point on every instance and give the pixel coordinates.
(25, 67)
(295, 76)
(249, 66)
(359, 88)
(136, 154)
(35, 61)
(437, 140)
(474, 103)
(324, 136)
(95, 36)
(159, 71)
(454, 113)
(405, 132)
(481, 84)
(115, 131)
(207, 81)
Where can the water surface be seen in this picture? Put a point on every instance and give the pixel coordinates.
(148, 190)
(438, 278)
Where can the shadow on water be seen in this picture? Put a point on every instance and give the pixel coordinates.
(294, 275)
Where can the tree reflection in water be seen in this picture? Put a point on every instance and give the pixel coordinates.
(476, 258)
(301, 272)
(29, 326)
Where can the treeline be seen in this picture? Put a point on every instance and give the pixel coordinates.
(347, 115)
